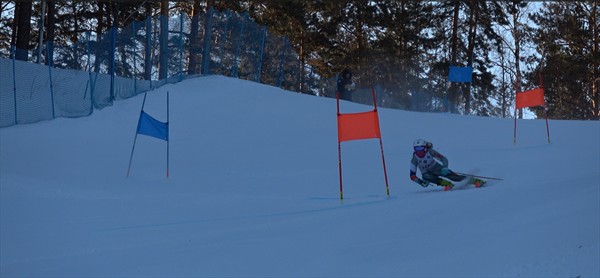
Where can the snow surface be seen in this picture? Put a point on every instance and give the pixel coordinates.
(253, 190)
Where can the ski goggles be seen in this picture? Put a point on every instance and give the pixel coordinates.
(419, 148)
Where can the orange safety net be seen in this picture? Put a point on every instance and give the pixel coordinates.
(530, 98)
(357, 126)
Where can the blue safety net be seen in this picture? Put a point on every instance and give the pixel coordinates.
(54, 81)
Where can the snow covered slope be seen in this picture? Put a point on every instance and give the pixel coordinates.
(253, 190)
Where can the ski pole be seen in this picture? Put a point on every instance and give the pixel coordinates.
(479, 176)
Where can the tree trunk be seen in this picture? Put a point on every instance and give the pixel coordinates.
(503, 88)
(100, 18)
(75, 36)
(109, 15)
(207, 18)
(148, 54)
(23, 31)
(99, 30)
(596, 55)
(164, 36)
(193, 48)
(454, 38)
(50, 21)
(404, 39)
(472, 33)
(301, 56)
(454, 44)
(15, 25)
(517, 38)
(116, 25)
(115, 16)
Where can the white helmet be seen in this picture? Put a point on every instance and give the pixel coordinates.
(419, 143)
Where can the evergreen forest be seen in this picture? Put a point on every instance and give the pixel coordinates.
(513, 46)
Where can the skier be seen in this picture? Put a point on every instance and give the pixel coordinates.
(428, 161)
(345, 85)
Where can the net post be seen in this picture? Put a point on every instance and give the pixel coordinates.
(50, 75)
(337, 96)
(134, 60)
(181, 46)
(516, 92)
(168, 134)
(112, 62)
(13, 49)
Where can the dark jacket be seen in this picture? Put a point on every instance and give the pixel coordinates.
(345, 85)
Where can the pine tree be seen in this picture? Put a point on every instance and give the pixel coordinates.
(7, 8)
(567, 37)
(23, 31)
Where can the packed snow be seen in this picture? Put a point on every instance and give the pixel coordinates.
(253, 190)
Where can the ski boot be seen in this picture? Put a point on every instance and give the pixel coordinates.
(477, 182)
(446, 184)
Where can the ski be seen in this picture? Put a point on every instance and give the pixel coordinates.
(470, 180)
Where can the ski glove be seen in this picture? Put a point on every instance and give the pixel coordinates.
(423, 183)
(352, 86)
(445, 171)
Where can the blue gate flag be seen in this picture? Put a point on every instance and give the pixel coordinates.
(152, 127)
(460, 74)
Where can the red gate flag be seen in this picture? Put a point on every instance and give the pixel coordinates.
(356, 126)
(530, 98)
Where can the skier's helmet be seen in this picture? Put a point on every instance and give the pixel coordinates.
(420, 145)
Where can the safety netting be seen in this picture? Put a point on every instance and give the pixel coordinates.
(54, 81)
